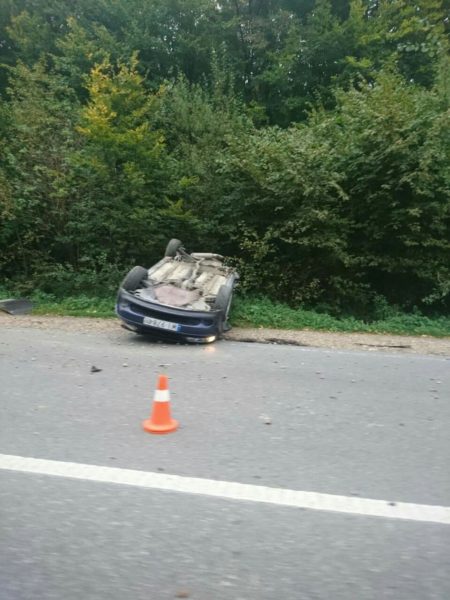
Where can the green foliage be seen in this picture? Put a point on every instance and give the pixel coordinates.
(262, 312)
(74, 306)
(285, 195)
(353, 205)
(253, 312)
(122, 169)
(80, 49)
(308, 140)
(393, 141)
(282, 54)
(34, 171)
(199, 125)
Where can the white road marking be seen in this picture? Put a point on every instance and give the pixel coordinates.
(229, 490)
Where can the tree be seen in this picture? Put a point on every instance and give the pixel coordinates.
(38, 139)
(398, 34)
(122, 169)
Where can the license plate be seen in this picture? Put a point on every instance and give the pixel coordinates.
(160, 324)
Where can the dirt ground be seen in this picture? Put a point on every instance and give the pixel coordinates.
(316, 339)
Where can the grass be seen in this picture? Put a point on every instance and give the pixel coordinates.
(78, 306)
(257, 312)
(266, 313)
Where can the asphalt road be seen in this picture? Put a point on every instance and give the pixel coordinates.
(349, 423)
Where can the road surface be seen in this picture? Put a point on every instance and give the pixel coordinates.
(353, 434)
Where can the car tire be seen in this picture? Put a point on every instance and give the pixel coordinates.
(172, 247)
(134, 278)
(223, 303)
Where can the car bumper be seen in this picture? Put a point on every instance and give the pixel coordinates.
(166, 321)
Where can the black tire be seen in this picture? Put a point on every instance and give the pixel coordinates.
(172, 247)
(134, 278)
(223, 303)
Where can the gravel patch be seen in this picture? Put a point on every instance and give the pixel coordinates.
(423, 344)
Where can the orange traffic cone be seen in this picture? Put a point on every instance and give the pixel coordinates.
(160, 420)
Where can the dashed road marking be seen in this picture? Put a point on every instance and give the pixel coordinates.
(229, 490)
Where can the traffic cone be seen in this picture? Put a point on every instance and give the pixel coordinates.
(160, 420)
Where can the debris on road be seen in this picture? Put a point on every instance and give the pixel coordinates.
(16, 307)
(265, 419)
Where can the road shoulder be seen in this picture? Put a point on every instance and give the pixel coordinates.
(316, 339)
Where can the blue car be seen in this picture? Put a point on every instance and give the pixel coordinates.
(184, 297)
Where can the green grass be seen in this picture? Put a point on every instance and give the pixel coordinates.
(265, 313)
(257, 312)
(79, 306)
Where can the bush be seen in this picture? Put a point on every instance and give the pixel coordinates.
(349, 208)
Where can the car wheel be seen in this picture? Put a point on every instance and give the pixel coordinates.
(172, 247)
(134, 278)
(223, 303)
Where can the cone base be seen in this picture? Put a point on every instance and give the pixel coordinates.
(150, 427)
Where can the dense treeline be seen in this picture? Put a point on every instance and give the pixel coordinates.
(309, 140)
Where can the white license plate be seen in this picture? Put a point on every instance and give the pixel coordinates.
(160, 324)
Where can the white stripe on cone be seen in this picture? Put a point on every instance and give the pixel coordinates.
(161, 396)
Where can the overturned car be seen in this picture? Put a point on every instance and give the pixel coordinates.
(183, 297)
